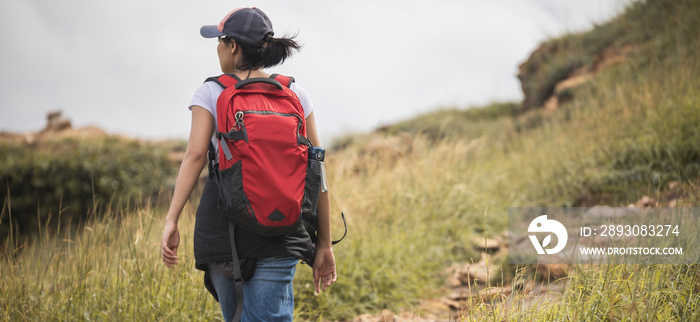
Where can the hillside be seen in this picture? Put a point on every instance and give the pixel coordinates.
(610, 117)
(623, 96)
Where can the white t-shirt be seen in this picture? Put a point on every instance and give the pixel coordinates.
(208, 93)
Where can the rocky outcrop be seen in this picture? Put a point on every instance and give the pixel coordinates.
(57, 127)
(55, 122)
(554, 68)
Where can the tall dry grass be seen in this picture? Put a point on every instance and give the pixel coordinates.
(107, 270)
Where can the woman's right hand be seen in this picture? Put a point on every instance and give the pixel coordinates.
(192, 164)
(169, 244)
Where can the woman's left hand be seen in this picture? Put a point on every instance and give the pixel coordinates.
(324, 268)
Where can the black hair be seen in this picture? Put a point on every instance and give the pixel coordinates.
(273, 51)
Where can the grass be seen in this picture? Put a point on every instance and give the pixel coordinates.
(110, 270)
(608, 293)
(416, 195)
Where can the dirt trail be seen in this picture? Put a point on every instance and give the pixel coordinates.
(471, 285)
(478, 288)
(461, 301)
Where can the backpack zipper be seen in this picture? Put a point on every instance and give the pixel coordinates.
(239, 117)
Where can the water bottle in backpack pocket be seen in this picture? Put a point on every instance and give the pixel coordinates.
(315, 177)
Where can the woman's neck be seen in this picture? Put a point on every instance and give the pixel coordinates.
(251, 73)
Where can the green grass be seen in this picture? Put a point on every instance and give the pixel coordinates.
(607, 293)
(110, 270)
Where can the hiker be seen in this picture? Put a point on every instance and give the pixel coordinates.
(245, 47)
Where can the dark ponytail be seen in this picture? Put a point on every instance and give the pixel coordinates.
(274, 51)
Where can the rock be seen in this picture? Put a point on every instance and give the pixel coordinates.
(603, 212)
(453, 280)
(572, 82)
(488, 245)
(459, 294)
(550, 271)
(543, 78)
(55, 122)
(551, 104)
(489, 294)
(481, 273)
(434, 306)
(672, 204)
(363, 318)
(387, 316)
(30, 138)
(558, 271)
(561, 93)
(529, 74)
(673, 185)
(455, 305)
(645, 201)
(493, 294)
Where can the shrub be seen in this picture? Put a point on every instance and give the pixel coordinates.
(74, 178)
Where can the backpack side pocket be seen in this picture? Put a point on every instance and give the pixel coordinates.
(232, 199)
(312, 189)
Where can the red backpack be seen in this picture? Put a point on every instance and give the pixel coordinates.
(263, 155)
(266, 182)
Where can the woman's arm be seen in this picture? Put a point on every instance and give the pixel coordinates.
(324, 261)
(192, 165)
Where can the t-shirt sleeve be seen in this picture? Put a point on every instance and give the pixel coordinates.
(204, 97)
(303, 98)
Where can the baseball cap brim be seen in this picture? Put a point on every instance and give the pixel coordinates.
(211, 31)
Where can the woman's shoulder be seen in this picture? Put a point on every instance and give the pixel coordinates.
(303, 98)
(206, 95)
(298, 89)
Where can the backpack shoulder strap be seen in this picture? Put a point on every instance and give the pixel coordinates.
(224, 80)
(284, 80)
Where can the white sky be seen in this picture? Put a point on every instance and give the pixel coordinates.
(131, 66)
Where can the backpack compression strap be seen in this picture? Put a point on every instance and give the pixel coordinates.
(237, 274)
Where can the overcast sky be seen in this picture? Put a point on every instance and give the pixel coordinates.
(131, 66)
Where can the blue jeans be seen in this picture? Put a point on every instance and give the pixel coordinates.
(268, 296)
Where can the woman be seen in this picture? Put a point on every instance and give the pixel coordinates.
(245, 47)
